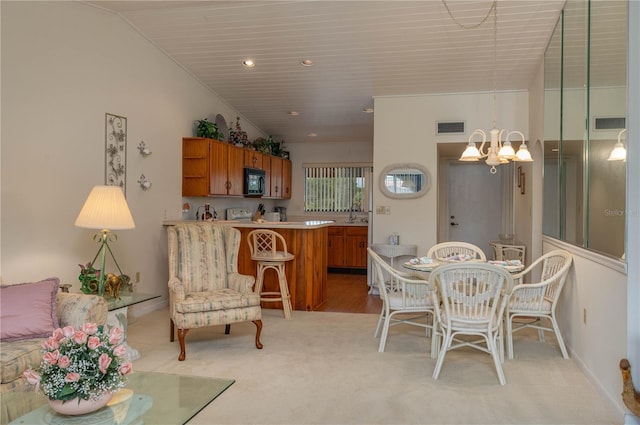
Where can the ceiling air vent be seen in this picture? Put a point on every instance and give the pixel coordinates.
(450, 127)
(612, 123)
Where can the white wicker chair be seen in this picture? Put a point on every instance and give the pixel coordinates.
(412, 295)
(472, 304)
(448, 249)
(509, 252)
(533, 302)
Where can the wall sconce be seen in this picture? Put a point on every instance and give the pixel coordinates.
(144, 151)
(619, 152)
(144, 183)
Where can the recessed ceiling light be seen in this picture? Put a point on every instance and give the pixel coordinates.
(294, 113)
(248, 63)
(312, 134)
(306, 62)
(368, 110)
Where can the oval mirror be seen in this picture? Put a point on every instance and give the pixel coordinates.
(404, 181)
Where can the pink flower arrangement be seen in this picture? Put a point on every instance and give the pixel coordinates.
(81, 363)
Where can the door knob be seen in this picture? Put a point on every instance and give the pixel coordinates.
(454, 224)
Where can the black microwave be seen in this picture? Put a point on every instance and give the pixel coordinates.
(254, 181)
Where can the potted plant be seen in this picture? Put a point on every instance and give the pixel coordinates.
(237, 136)
(276, 147)
(208, 129)
(81, 368)
(262, 145)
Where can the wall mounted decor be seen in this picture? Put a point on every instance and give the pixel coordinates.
(144, 151)
(521, 179)
(404, 181)
(116, 151)
(144, 183)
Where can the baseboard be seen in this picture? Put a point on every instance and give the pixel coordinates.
(139, 310)
(345, 270)
(615, 403)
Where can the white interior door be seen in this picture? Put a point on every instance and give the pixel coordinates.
(475, 204)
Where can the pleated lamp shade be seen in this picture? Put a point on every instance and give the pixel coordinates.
(105, 208)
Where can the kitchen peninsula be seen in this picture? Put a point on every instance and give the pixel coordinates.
(306, 273)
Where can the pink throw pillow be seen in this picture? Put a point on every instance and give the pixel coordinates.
(28, 310)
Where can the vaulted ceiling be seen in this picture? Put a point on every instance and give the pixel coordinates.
(359, 49)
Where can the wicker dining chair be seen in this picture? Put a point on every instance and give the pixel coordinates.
(471, 302)
(410, 302)
(532, 303)
(449, 249)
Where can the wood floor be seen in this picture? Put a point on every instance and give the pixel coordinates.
(349, 293)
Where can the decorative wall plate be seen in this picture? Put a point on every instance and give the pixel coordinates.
(221, 123)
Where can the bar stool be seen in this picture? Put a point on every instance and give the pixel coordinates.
(263, 245)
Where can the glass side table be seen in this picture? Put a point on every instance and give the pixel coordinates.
(118, 308)
(392, 252)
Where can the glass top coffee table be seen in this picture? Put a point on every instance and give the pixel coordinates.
(158, 398)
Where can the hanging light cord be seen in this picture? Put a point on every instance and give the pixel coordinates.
(494, 9)
(495, 57)
(446, 6)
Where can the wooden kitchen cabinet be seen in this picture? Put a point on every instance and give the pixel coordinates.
(195, 167)
(210, 167)
(347, 247)
(355, 246)
(279, 178)
(254, 159)
(286, 179)
(275, 178)
(306, 273)
(335, 254)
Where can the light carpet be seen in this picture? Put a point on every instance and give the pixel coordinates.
(324, 368)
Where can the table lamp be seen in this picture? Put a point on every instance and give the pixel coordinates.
(105, 209)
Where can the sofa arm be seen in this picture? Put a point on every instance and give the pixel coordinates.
(77, 309)
(240, 282)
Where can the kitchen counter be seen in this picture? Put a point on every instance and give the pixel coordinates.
(308, 224)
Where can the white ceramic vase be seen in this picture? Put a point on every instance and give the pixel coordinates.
(80, 406)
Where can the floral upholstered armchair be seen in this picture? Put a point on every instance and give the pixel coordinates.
(205, 288)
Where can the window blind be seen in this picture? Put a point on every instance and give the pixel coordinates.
(336, 188)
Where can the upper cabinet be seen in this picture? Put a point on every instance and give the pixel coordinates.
(210, 167)
(213, 168)
(254, 159)
(195, 167)
(279, 177)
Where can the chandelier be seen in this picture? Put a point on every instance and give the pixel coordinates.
(499, 151)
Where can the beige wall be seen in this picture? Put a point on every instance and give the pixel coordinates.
(64, 65)
(405, 131)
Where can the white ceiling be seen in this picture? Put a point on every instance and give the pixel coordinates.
(360, 49)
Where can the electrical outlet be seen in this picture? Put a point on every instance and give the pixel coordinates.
(387, 210)
(584, 316)
(137, 277)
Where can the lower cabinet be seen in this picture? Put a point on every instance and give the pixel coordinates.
(347, 247)
(306, 273)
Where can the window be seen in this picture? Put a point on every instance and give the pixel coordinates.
(337, 187)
